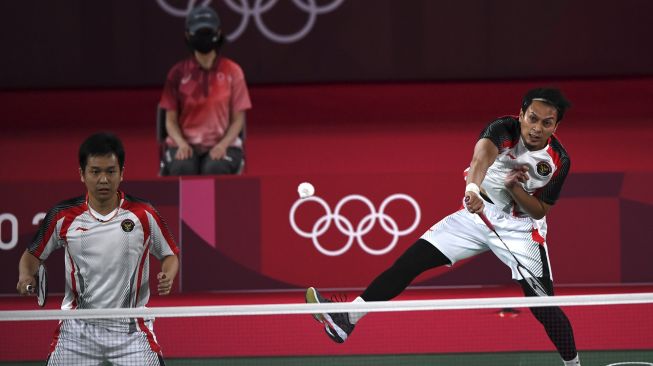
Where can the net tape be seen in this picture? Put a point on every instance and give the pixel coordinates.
(279, 309)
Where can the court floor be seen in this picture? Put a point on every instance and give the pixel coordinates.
(589, 358)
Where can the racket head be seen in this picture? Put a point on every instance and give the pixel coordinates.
(42, 286)
(533, 282)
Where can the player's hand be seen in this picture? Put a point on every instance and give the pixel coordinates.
(165, 283)
(516, 176)
(217, 152)
(473, 202)
(23, 282)
(184, 152)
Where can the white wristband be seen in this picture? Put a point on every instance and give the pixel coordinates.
(472, 187)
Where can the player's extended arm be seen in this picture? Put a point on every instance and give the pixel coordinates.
(27, 268)
(531, 204)
(169, 268)
(485, 152)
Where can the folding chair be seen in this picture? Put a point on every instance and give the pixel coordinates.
(161, 135)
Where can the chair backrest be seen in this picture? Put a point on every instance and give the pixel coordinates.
(243, 138)
(161, 134)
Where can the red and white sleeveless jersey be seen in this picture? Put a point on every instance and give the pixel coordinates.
(547, 168)
(106, 258)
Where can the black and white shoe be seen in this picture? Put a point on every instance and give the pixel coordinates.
(336, 325)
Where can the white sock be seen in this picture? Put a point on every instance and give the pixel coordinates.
(574, 362)
(355, 317)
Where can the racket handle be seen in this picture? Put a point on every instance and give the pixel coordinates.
(482, 216)
(486, 221)
(29, 288)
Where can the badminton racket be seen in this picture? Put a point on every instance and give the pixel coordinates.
(41, 287)
(529, 277)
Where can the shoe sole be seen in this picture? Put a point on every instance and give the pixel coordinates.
(329, 327)
(312, 298)
(333, 334)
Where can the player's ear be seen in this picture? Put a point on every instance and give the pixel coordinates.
(81, 175)
(122, 171)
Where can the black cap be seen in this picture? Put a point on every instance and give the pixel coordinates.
(202, 17)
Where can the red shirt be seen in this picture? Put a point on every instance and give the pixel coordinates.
(205, 99)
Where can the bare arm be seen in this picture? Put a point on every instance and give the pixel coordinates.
(27, 268)
(184, 150)
(485, 152)
(531, 204)
(169, 269)
(236, 123)
(173, 129)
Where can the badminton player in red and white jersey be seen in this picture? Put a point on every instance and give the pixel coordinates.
(515, 176)
(108, 237)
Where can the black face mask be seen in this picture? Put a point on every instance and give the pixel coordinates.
(204, 42)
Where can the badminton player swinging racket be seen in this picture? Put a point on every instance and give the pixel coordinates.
(516, 174)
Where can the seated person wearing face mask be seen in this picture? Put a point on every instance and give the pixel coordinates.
(205, 97)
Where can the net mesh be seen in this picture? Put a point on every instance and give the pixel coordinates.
(609, 330)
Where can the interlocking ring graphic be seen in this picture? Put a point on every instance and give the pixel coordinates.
(256, 11)
(345, 226)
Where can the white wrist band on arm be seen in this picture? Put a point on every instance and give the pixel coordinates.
(472, 187)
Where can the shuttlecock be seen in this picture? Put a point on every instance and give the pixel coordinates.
(305, 189)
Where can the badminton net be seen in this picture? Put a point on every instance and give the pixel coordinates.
(610, 330)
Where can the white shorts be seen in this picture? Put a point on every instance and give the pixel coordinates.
(462, 235)
(77, 342)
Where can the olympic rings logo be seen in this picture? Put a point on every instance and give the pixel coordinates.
(346, 227)
(256, 12)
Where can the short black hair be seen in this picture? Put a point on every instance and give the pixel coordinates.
(551, 96)
(101, 143)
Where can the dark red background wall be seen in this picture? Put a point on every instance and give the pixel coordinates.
(372, 139)
(77, 43)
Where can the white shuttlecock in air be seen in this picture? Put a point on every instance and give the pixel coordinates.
(305, 189)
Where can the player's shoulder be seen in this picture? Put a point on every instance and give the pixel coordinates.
(137, 201)
(503, 131)
(134, 203)
(68, 204)
(558, 148)
(71, 208)
(558, 153)
(507, 121)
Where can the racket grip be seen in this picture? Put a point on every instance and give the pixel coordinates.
(486, 221)
(29, 288)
